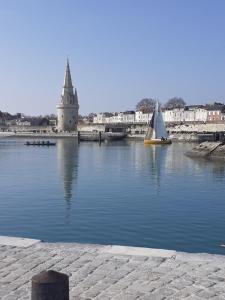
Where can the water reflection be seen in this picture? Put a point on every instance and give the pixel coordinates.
(156, 155)
(128, 194)
(216, 166)
(160, 160)
(176, 159)
(67, 155)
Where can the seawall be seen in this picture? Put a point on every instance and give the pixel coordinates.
(197, 128)
(111, 272)
(208, 150)
(40, 135)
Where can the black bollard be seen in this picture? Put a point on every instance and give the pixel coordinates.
(50, 285)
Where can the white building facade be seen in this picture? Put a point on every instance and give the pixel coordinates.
(187, 114)
(140, 117)
(176, 115)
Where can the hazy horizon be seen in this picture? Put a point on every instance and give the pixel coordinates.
(119, 53)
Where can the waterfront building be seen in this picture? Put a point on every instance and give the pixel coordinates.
(175, 115)
(129, 117)
(192, 113)
(67, 110)
(105, 118)
(215, 113)
(141, 117)
(223, 116)
(99, 119)
(23, 123)
(189, 114)
(200, 113)
(2, 119)
(116, 118)
(11, 122)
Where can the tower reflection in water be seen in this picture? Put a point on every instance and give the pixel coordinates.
(67, 156)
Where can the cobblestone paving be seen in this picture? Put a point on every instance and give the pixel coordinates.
(102, 272)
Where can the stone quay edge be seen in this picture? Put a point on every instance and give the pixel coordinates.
(111, 271)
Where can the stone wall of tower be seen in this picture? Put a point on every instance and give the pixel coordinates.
(67, 117)
(67, 110)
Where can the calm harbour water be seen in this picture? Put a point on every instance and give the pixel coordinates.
(117, 193)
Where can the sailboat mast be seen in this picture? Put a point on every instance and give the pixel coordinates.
(155, 121)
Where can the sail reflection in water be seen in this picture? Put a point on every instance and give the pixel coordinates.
(150, 162)
(157, 155)
(67, 156)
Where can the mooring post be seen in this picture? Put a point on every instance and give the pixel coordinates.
(78, 135)
(100, 137)
(50, 285)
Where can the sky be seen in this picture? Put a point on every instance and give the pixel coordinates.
(120, 51)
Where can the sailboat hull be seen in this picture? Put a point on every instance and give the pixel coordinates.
(157, 142)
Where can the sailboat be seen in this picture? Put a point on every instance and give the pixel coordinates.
(156, 133)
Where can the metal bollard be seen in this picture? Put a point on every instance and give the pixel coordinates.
(50, 285)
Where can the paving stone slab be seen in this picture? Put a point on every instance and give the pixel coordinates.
(111, 272)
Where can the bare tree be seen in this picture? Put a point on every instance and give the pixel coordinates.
(108, 114)
(146, 105)
(175, 102)
(91, 116)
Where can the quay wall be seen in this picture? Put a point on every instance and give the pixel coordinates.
(111, 272)
(139, 128)
(199, 128)
(208, 149)
(188, 132)
(39, 135)
(176, 137)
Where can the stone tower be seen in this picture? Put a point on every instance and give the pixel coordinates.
(67, 110)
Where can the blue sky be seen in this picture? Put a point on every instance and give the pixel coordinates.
(120, 51)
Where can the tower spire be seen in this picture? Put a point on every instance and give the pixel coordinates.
(67, 78)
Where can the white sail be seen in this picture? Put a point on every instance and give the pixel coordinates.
(154, 135)
(160, 125)
(157, 129)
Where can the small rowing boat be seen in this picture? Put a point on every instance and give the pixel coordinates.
(40, 143)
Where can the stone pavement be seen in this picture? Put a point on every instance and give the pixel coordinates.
(111, 272)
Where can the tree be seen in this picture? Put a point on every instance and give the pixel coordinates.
(175, 102)
(146, 105)
(108, 114)
(90, 117)
(80, 119)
